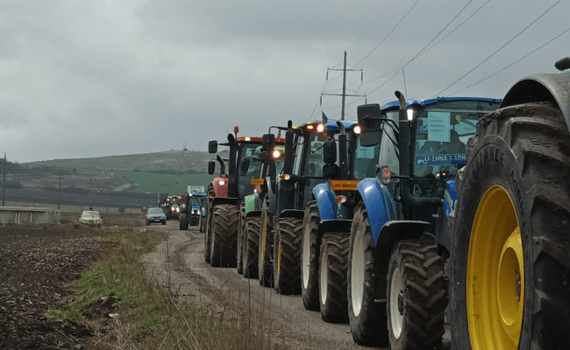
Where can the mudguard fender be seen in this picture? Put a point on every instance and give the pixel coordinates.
(542, 87)
(378, 203)
(325, 201)
(225, 200)
(253, 214)
(292, 213)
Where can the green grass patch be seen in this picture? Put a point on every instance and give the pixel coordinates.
(151, 316)
(163, 181)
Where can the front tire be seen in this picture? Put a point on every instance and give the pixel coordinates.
(286, 256)
(510, 258)
(310, 257)
(332, 277)
(224, 241)
(251, 248)
(368, 323)
(416, 296)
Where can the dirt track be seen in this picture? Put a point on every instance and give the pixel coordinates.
(179, 261)
(37, 262)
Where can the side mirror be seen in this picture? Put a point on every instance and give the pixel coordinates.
(370, 138)
(244, 166)
(329, 152)
(211, 167)
(369, 117)
(213, 147)
(268, 142)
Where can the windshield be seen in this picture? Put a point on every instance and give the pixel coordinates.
(155, 211)
(365, 159)
(244, 182)
(196, 200)
(314, 161)
(441, 132)
(90, 214)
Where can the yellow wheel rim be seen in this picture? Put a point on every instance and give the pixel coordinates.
(495, 274)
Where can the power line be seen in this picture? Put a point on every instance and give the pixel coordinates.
(459, 26)
(425, 48)
(502, 47)
(389, 33)
(515, 62)
(370, 26)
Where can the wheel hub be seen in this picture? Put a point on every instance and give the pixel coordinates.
(401, 303)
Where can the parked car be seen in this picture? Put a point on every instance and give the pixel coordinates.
(91, 218)
(155, 215)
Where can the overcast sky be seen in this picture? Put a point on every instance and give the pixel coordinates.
(99, 78)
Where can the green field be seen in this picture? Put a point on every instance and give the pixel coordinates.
(163, 182)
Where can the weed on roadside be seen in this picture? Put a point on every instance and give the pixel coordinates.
(128, 310)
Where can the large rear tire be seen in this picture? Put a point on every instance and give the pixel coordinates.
(510, 263)
(287, 256)
(224, 235)
(416, 296)
(368, 323)
(265, 258)
(332, 277)
(251, 249)
(310, 257)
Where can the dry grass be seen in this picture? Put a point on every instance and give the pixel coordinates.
(154, 317)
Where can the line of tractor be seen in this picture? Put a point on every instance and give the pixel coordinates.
(452, 208)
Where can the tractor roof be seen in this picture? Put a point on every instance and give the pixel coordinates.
(422, 103)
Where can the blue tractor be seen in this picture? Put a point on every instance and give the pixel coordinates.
(283, 209)
(191, 209)
(326, 225)
(400, 233)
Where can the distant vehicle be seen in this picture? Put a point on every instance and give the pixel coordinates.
(91, 218)
(155, 215)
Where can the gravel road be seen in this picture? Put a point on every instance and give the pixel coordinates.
(179, 263)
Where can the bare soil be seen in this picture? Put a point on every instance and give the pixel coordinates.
(37, 263)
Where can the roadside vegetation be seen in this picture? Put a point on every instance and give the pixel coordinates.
(144, 315)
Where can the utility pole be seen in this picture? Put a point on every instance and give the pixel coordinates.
(60, 177)
(4, 181)
(344, 94)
